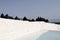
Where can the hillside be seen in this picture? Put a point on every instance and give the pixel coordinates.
(24, 30)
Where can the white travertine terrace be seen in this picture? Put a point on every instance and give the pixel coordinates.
(24, 30)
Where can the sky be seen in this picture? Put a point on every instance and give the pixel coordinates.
(49, 9)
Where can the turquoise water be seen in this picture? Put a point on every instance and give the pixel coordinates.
(50, 35)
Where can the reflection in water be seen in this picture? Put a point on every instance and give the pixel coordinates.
(50, 35)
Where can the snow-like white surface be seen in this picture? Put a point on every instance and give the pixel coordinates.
(24, 30)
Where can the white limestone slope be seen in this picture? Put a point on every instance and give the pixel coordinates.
(24, 30)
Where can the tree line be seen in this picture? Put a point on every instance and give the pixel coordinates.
(24, 18)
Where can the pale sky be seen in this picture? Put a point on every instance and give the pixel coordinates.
(31, 8)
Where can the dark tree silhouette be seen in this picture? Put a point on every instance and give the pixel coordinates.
(38, 19)
(10, 17)
(25, 19)
(46, 20)
(16, 18)
(6, 16)
(41, 19)
(31, 20)
(2, 15)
